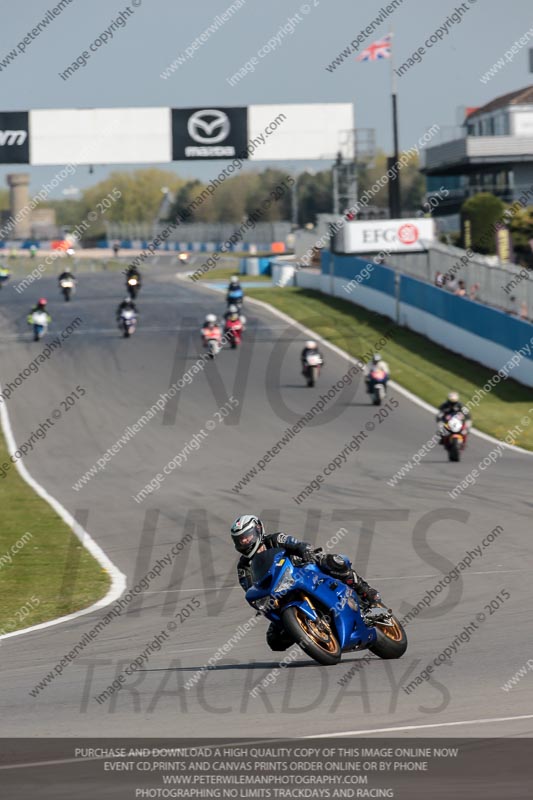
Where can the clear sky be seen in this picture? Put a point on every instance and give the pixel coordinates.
(127, 71)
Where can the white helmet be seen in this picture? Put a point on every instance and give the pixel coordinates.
(234, 279)
(210, 318)
(233, 309)
(453, 397)
(310, 345)
(376, 358)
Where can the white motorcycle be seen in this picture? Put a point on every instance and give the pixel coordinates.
(68, 287)
(313, 362)
(128, 322)
(213, 347)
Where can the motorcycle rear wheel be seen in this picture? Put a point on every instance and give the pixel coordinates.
(317, 640)
(391, 640)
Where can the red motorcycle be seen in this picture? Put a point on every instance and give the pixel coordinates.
(233, 331)
(454, 433)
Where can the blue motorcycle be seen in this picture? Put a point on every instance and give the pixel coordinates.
(235, 297)
(319, 613)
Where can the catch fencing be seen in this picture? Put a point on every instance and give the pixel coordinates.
(503, 286)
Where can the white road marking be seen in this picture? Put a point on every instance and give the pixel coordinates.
(377, 578)
(118, 579)
(419, 727)
(312, 736)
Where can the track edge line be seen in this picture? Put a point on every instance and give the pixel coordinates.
(118, 579)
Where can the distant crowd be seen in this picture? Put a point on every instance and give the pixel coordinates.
(458, 287)
(455, 286)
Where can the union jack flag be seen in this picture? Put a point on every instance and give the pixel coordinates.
(379, 49)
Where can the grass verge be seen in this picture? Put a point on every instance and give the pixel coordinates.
(225, 273)
(45, 572)
(421, 366)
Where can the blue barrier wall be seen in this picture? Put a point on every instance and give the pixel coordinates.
(483, 321)
(374, 276)
(481, 333)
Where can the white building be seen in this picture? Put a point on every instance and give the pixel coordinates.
(491, 152)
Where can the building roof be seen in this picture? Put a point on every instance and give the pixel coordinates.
(518, 97)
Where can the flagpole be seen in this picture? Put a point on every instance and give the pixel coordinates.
(394, 186)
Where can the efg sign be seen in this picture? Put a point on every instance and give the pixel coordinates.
(392, 235)
(14, 137)
(209, 132)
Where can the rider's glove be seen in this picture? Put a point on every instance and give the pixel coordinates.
(304, 551)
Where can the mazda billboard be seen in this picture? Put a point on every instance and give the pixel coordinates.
(209, 132)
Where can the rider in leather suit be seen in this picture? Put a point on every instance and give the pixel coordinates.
(249, 537)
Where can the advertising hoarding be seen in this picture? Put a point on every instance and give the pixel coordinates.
(209, 132)
(14, 137)
(393, 235)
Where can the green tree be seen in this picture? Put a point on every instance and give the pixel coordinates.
(140, 190)
(315, 196)
(68, 212)
(483, 210)
(272, 185)
(411, 181)
(185, 196)
(521, 227)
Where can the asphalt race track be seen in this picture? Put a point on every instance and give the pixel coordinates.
(402, 539)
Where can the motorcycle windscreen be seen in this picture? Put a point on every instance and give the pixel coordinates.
(262, 563)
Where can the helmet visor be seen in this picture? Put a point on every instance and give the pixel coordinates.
(245, 542)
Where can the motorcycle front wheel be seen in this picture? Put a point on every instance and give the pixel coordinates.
(391, 639)
(453, 452)
(315, 638)
(378, 395)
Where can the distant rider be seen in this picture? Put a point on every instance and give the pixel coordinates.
(235, 293)
(249, 537)
(453, 406)
(376, 363)
(211, 329)
(127, 304)
(233, 320)
(41, 306)
(133, 272)
(66, 275)
(310, 347)
(5, 273)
